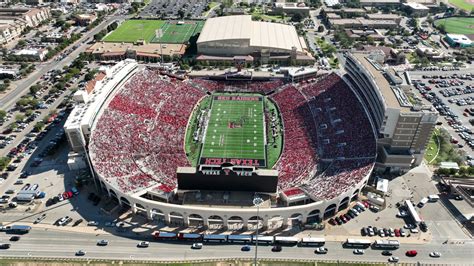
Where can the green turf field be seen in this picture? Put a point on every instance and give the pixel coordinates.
(133, 30)
(179, 33)
(463, 4)
(459, 25)
(235, 129)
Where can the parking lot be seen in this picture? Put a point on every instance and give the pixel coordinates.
(414, 186)
(452, 94)
(174, 9)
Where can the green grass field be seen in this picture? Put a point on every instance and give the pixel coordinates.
(463, 4)
(133, 30)
(235, 129)
(459, 25)
(179, 33)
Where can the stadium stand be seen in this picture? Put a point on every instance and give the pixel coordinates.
(138, 140)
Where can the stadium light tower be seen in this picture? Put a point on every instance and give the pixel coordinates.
(257, 201)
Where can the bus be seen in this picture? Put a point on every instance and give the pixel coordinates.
(262, 239)
(239, 238)
(215, 238)
(164, 236)
(387, 244)
(312, 241)
(186, 236)
(18, 229)
(286, 240)
(357, 243)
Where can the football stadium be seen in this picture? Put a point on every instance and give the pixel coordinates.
(197, 151)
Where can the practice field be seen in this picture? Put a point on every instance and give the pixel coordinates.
(459, 25)
(235, 129)
(133, 30)
(179, 32)
(467, 5)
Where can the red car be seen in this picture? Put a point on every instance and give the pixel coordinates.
(411, 253)
(344, 220)
(65, 195)
(397, 232)
(366, 203)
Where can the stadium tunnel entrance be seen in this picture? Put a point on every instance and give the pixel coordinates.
(313, 217)
(235, 223)
(215, 222)
(195, 220)
(330, 211)
(344, 204)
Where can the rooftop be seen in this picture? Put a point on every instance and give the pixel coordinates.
(241, 27)
(389, 95)
(416, 6)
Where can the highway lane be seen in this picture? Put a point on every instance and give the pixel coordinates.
(54, 243)
(13, 95)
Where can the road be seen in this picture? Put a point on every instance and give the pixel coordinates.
(62, 244)
(10, 99)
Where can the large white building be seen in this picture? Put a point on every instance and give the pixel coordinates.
(231, 36)
(404, 129)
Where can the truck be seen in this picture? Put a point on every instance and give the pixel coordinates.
(433, 198)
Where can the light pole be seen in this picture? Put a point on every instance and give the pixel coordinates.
(257, 201)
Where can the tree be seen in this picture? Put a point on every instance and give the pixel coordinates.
(4, 161)
(39, 126)
(3, 114)
(20, 117)
(320, 28)
(35, 88)
(21, 43)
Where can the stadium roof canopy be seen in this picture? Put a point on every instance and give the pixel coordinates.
(259, 34)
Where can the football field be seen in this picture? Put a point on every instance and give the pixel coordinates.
(178, 32)
(458, 25)
(235, 129)
(133, 30)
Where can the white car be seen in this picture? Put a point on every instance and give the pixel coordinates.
(321, 250)
(435, 254)
(80, 253)
(358, 251)
(102, 242)
(393, 259)
(92, 223)
(196, 246)
(143, 244)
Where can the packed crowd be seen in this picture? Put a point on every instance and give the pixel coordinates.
(338, 177)
(344, 129)
(324, 120)
(299, 154)
(138, 140)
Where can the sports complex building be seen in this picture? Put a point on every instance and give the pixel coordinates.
(197, 151)
(224, 38)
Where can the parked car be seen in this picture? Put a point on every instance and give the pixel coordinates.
(411, 253)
